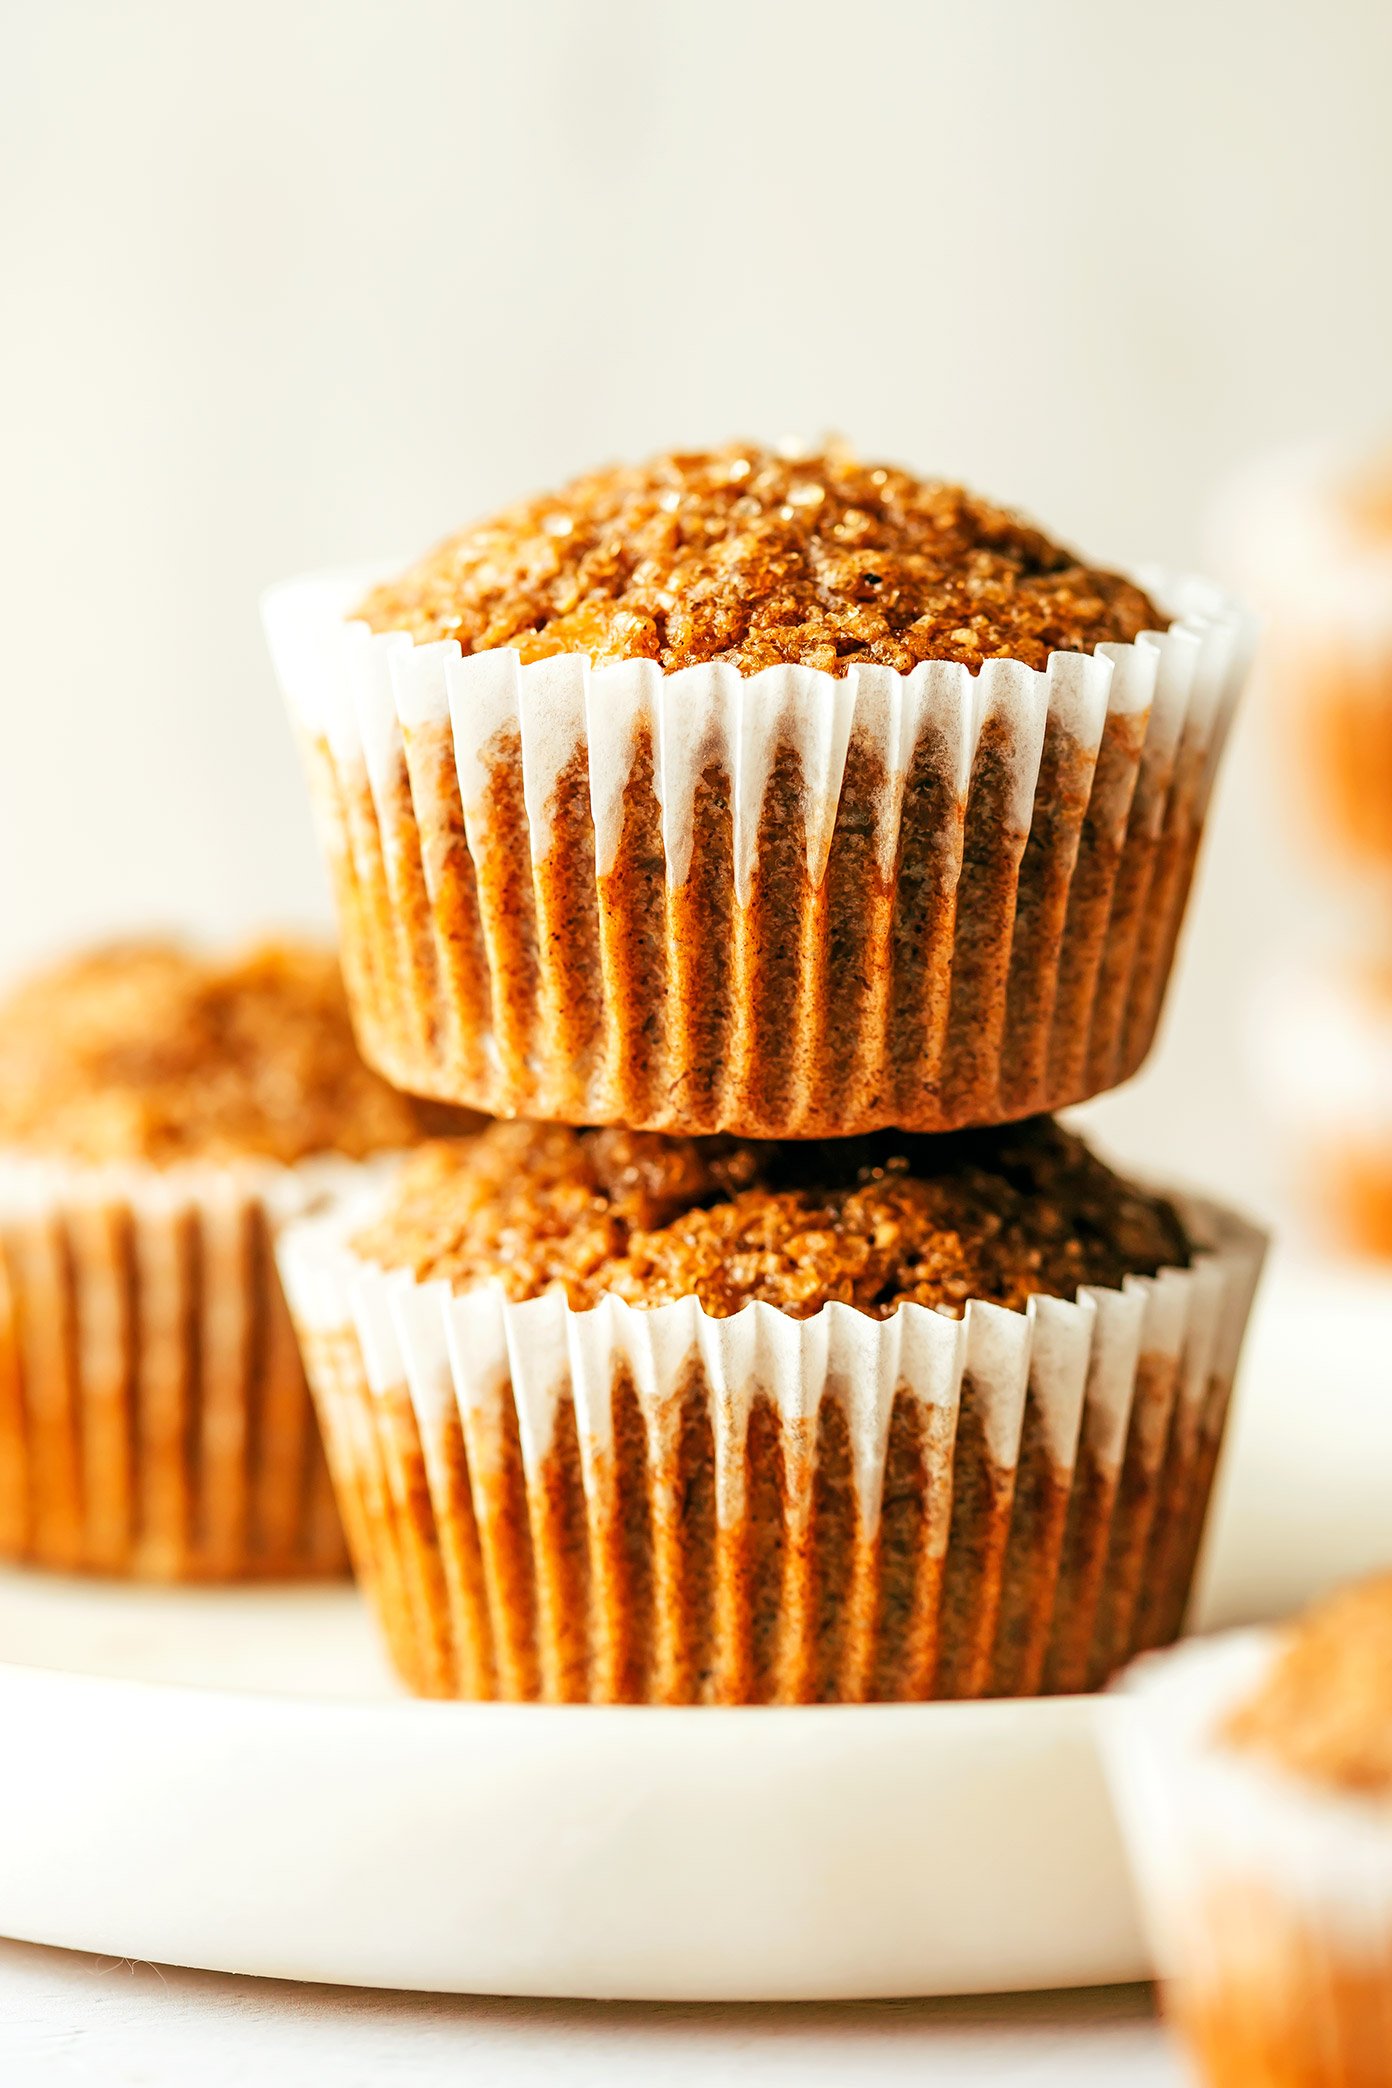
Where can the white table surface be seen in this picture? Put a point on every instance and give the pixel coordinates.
(72, 2021)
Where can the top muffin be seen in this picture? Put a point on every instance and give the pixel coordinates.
(145, 1052)
(696, 897)
(760, 559)
(1324, 1711)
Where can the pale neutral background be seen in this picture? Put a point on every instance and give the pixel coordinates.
(290, 284)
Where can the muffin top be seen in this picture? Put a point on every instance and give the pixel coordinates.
(1324, 1710)
(758, 558)
(875, 1222)
(145, 1052)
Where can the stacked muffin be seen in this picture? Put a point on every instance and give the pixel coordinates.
(781, 837)
(1309, 537)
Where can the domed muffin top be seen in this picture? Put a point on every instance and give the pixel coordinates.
(1324, 1710)
(758, 558)
(874, 1222)
(145, 1052)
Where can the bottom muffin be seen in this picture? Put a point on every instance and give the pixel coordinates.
(1254, 1777)
(627, 1418)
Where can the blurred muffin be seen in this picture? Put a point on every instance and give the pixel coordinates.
(751, 792)
(1308, 537)
(1254, 1774)
(1323, 1047)
(160, 1114)
(622, 1417)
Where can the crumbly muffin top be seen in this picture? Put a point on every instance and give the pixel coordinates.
(874, 1222)
(758, 558)
(1324, 1709)
(145, 1052)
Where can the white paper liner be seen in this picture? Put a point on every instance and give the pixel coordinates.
(1198, 1813)
(1268, 1901)
(154, 1419)
(1061, 1375)
(464, 977)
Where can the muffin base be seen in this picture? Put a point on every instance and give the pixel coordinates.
(651, 1506)
(1269, 1901)
(154, 1416)
(1291, 2008)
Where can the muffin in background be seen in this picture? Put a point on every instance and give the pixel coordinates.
(619, 1417)
(1253, 1774)
(161, 1113)
(773, 794)
(1308, 538)
(1322, 1045)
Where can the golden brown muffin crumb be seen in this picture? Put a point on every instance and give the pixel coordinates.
(757, 558)
(145, 1052)
(1324, 1711)
(875, 1222)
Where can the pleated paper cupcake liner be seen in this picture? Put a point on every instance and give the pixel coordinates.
(1269, 1902)
(785, 906)
(653, 1505)
(154, 1416)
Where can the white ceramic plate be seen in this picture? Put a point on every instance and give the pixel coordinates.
(229, 1780)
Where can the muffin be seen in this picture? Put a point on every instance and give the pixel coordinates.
(744, 792)
(1254, 1776)
(160, 1115)
(1323, 1048)
(624, 1417)
(1309, 538)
